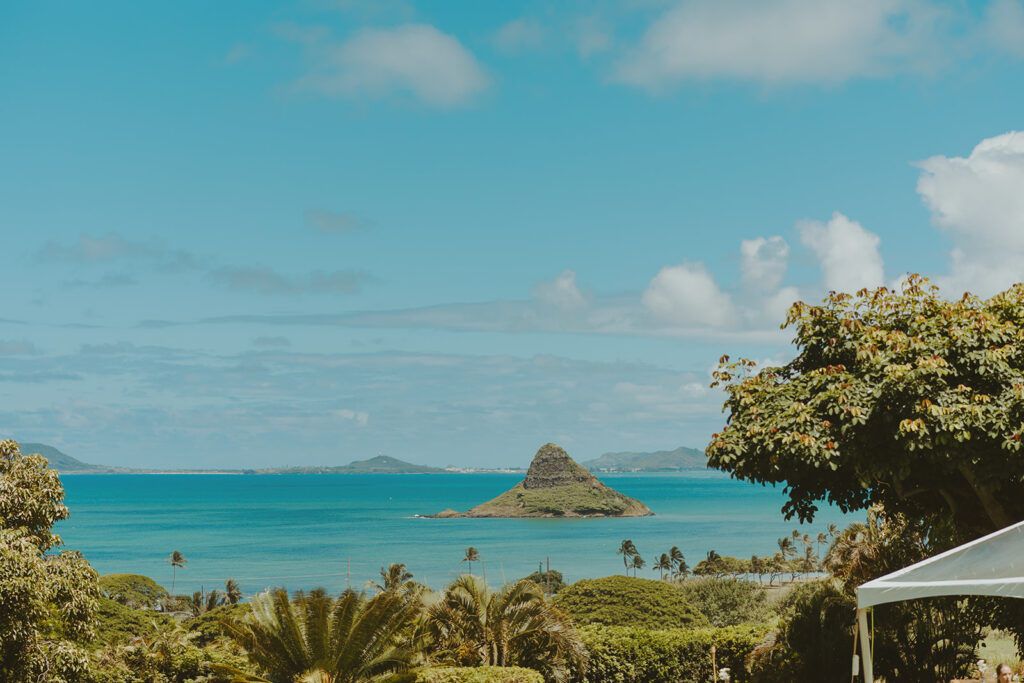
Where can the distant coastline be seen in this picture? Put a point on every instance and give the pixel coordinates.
(678, 460)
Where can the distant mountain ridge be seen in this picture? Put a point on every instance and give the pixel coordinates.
(381, 464)
(60, 461)
(682, 458)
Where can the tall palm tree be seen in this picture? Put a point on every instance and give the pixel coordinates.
(638, 563)
(627, 550)
(821, 540)
(663, 565)
(232, 591)
(314, 637)
(516, 626)
(472, 555)
(393, 578)
(786, 547)
(676, 555)
(177, 560)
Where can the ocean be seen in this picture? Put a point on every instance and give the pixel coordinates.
(332, 531)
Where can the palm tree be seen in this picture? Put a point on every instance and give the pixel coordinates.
(638, 563)
(177, 560)
(314, 637)
(786, 547)
(201, 604)
(821, 540)
(663, 565)
(472, 555)
(676, 555)
(627, 550)
(394, 578)
(516, 626)
(232, 592)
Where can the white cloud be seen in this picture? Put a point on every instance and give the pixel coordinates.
(781, 41)
(687, 295)
(1004, 25)
(592, 35)
(519, 35)
(562, 293)
(978, 202)
(848, 253)
(412, 58)
(360, 417)
(763, 262)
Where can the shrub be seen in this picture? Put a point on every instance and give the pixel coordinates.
(479, 674)
(728, 602)
(207, 625)
(132, 590)
(116, 623)
(638, 655)
(814, 639)
(550, 582)
(625, 601)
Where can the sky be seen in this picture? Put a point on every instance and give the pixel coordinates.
(247, 234)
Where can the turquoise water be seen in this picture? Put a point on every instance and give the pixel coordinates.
(303, 531)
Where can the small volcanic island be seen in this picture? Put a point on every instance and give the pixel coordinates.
(556, 486)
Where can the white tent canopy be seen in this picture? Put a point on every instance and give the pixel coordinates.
(991, 565)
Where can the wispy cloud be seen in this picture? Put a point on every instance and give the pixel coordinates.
(112, 247)
(13, 347)
(413, 59)
(335, 221)
(519, 35)
(268, 281)
(784, 41)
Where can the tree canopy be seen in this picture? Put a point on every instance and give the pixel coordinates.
(47, 599)
(896, 397)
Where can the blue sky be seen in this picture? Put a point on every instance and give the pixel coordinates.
(255, 233)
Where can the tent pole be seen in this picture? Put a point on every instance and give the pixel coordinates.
(865, 646)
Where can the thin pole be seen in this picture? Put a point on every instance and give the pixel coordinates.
(865, 646)
(348, 573)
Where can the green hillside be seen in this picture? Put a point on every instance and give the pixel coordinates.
(381, 464)
(60, 461)
(681, 458)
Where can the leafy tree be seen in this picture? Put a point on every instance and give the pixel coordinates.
(232, 592)
(471, 556)
(132, 590)
(47, 599)
(899, 398)
(350, 639)
(515, 626)
(728, 602)
(176, 559)
(627, 550)
(550, 581)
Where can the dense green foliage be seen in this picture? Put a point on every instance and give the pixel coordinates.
(728, 602)
(638, 655)
(207, 626)
(350, 639)
(116, 623)
(515, 626)
(902, 399)
(550, 581)
(132, 590)
(625, 601)
(478, 674)
(814, 639)
(579, 499)
(47, 600)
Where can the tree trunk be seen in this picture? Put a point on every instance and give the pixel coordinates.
(989, 502)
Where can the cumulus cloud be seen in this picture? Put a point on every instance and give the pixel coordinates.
(687, 295)
(764, 261)
(333, 221)
(268, 281)
(519, 35)
(848, 254)
(1004, 25)
(416, 59)
(780, 41)
(978, 201)
(360, 417)
(562, 293)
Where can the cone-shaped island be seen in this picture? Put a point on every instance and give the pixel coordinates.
(557, 486)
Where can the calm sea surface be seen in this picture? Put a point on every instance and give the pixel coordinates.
(303, 531)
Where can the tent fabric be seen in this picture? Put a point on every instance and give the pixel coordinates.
(991, 565)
